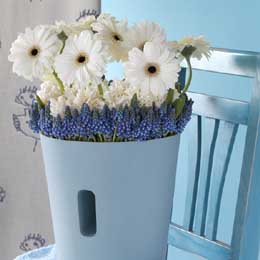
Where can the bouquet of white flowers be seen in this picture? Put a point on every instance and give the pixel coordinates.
(76, 102)
(114, 196)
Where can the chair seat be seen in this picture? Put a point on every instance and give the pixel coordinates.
(45, 253)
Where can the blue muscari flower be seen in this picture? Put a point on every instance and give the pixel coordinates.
(66, 123)
(168, 121)
(185, 117)
(34, 117)
(156, 131)
(124, 129)
(57, 130)
(84, 121)
(45, 121)
(106, 122)
(74, 123)
(96, 124)
(145, 127)
(129, 123)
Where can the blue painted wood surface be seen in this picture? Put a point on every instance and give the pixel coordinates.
(198, 245)
(246, 232)
(216, 121)
(231, 62)
(195, 136)
(210, 133)
(224, 147)
(230, 110)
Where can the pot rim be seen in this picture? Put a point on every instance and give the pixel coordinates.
(164, 139)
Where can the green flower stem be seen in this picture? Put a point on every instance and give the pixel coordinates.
(63, 37)
(190, 76)
(39, 101)
(100, 138)
(114, 135)
(60, 84)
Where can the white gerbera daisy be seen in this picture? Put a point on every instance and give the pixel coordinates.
(34, 51)
(119, 93)
(144, 32)
(82, 60)
(47, 91)
(154, 70)
(202, 47)
(77, 27)
(113, 34)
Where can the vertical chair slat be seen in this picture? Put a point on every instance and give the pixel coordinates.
(224, 147)
(211, 127)
(194, 170)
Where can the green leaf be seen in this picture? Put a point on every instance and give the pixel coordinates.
(100, 90)
(39, 101)
(178, 87)
(179, 105)
(170, 96)
(134, 101)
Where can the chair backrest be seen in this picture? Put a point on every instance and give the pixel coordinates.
(217, 122)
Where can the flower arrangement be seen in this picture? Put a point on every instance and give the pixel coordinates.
(76, 101)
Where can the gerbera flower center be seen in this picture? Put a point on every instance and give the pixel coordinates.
(82, 58)
(152, 70)
(117, 38)
(34, 51)
(141, 46)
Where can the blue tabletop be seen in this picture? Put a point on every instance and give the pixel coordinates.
(45, 253)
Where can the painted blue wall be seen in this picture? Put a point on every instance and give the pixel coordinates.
(226, 23)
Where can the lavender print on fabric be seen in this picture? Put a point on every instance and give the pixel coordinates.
(2, 194)
(87, 12)
(32, 241)
(20, 119)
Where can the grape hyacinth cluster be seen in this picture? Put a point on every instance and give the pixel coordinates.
(129, 123)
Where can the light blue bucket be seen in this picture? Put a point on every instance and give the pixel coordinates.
(111, 201)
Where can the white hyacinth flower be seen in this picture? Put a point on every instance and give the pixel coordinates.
(58, 106)
(34, 51)
(75, 97)
(83, 60)
(47, 91)
(148, 98)
(88, 96)
(119, 93)
(202, 47)
(144, 32)
(113, 34)
(77, 27)
(155, 69)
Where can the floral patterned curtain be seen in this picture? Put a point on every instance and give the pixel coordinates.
(25, 221)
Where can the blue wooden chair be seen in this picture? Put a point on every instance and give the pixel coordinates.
(209, 164)
(210, 156)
